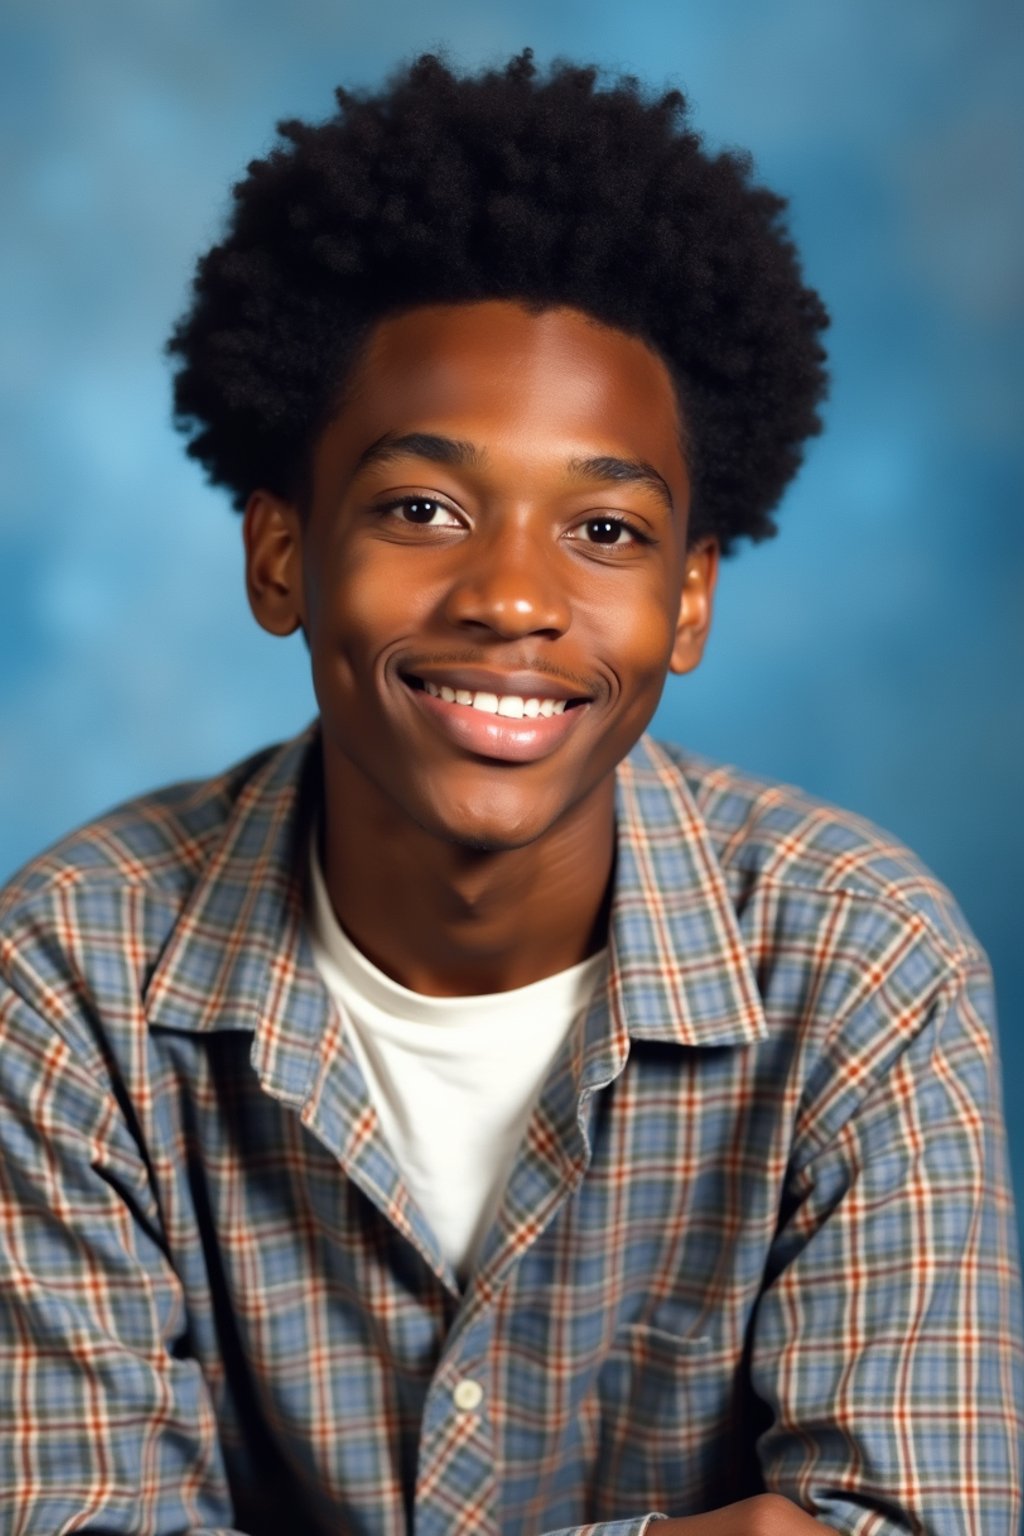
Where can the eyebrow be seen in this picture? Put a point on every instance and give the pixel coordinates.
(623, 472)
(421, 445)
(465, 455)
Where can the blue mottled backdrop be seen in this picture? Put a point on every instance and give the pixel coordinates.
(873, 653)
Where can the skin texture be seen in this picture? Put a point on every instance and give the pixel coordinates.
(458, 864)
(767, 1514)
(455, 871)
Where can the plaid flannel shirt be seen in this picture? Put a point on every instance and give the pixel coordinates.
(759, 1234)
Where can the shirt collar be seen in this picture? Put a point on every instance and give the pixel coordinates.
(679, 966)
(239, 957)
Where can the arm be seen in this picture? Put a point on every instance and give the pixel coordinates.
(765, 1515)
(887, 1341)
(105, 1418)
(886, 1346)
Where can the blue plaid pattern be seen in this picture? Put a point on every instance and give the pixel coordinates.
(759, 1234)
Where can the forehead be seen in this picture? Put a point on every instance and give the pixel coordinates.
(505, 372)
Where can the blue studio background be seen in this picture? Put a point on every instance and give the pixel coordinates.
(872, 653)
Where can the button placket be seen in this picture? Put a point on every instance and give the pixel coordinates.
(456, 1457)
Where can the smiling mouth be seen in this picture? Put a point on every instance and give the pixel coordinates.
(502, 727)
(511, 706)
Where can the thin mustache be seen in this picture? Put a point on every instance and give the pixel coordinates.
(507, 664)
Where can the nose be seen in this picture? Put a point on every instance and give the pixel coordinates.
(510, 585)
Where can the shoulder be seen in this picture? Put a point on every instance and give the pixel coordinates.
(861, 957)
(777, 843)
(192, 882)
(83, 925)
(160, 841)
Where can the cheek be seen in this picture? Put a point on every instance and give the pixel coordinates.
(638, 632)
(366, 603)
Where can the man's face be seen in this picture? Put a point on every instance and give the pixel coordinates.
(492, 574)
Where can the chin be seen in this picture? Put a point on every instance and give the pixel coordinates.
(488, 828)
(488, 838)
(483, 844)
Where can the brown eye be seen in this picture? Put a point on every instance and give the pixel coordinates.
(610, 531)
(420, 510)
(605, 530)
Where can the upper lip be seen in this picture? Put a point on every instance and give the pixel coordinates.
(524, 685)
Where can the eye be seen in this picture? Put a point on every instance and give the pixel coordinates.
(421, 512)
(609, 532)
(605, 530)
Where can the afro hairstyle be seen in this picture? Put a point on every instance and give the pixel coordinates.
(554, 189)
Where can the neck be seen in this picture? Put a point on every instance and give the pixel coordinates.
(449, 920)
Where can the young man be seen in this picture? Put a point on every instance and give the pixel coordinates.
(474, 1117)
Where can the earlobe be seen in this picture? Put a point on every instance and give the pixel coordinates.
(273, 565)
(695, 606)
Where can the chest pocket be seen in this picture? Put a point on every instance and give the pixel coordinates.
(663, 1417)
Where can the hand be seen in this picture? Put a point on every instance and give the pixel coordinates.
(767, 1514)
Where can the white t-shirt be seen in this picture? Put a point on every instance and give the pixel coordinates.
(453, 1079)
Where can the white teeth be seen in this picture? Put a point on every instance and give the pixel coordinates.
(508, 704)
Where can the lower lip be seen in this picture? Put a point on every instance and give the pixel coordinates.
(499, 736)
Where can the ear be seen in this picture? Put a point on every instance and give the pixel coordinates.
(273, 563)
(695, 604)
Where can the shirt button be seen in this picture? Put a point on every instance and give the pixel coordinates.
(468, 1395)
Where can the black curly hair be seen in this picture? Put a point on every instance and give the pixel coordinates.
(552, 189)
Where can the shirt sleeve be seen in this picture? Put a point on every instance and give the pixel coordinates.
(105, 1423)
(887, 1342)
(637, 1527)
